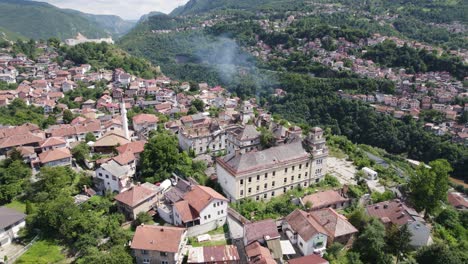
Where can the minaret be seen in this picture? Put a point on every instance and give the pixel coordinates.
(123, 112)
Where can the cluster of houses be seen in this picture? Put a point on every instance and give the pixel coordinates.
(231, 143)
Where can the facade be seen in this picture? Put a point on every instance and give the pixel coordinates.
(11, 221)
(202, 139)
(271, 172)
(158, 244)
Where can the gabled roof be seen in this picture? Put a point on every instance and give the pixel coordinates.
(124, 158)
(336, 224)
(394, 211)
(145, 118)
(111, 139)
(135, 195)
(324, 198)
(158, 238)
(116, 169)
(457, 200)
(248, 133)
(201, 196)
(135, 147)
(310, 259)
(260, 230)
(9, 216)
(54, 155)
(304, 224)
(19, 140)
(52, 141)
(185, 211)
(258, 254)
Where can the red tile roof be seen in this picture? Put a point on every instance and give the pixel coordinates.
(145, 118)
(158, 238)
(186, 213)
(334, 223)
(258, 254)
(260, 230)
(310, 259)
(201, 196)
(324, 199)
(457, 200)
(53, 155)
(135, 195)
(393, 211)
(135, 147)
(52, 141)
(305, 224)
(19, 140)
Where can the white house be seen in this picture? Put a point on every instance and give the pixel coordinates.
(11, 221)
(114, 177)
(198, 208)
(306, 232)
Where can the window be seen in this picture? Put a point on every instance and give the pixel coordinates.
(285, 190)
(266, 176)
(300, 166)
(299, 176)
(214, 205)
(285, 180)
(320, 161)
(114, 178)
(242, 181)
(258, 187)
(144, 252)
(146, 261)
(317, 180)
(265, 196)
(241, 192)
(292, 167)
(307, 164)
(257, 198)
(209, 216)
(222, 202)
(305, 183)
(250, 179)
(273, 184)
(107, 176)
(205, 217)
(222, 211)
(265, 186)
(272, 194)
(164, 262)
(258, 177)
(292, 178)
(300, 244)
(306, 174)
(274, 174)
(285, 170)
(100, 174)
(163, 254)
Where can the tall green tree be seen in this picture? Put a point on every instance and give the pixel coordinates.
(437, 254)
(398, 239)
(428, 186)
(371, 244)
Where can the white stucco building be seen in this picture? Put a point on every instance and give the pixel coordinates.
(11, 221)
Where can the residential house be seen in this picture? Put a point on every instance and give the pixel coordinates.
(227, 254)
(52, 143)
(56, 157)
(326, 199)
(145, 122)
(198, 208)
(109, 141)
(11, 221)
(257, 254)
(136, 200)
(337, 226)
(397, 213)
(306, 232)
(113, 177)
(158, 244)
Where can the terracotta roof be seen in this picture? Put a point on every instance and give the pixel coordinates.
(112, 138)
(310, 259)
(324, 199)
(124, 158)
(457, 200)
(135, 195)
(145, 118)
(20, 140)
(336, 224)
(19, 130)
(158, 238)
(185, 211)
(393, 211)
(304, 224)
(55, 154)
(260, 230)
(52, 141)
(201, 196)
(135, 147)
(258, 254)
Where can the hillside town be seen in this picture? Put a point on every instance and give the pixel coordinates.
(248, 153)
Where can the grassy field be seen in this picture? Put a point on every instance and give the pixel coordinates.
(43, 252)
(193, 241)
(17, 205)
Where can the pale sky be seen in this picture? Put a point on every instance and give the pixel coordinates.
(127, 9)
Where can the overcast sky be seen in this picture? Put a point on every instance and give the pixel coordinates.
(127, 9)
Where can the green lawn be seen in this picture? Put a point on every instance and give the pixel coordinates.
(193, 241)
(17, 205)
(43, 252)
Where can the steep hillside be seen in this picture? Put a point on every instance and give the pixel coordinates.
(113, 25)
(41, 20)
(194, 7)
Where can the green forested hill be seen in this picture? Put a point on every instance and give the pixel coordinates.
(194, 7)
(114, 25)
(40, 20)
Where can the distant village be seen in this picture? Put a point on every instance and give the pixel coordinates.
(229, 142)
